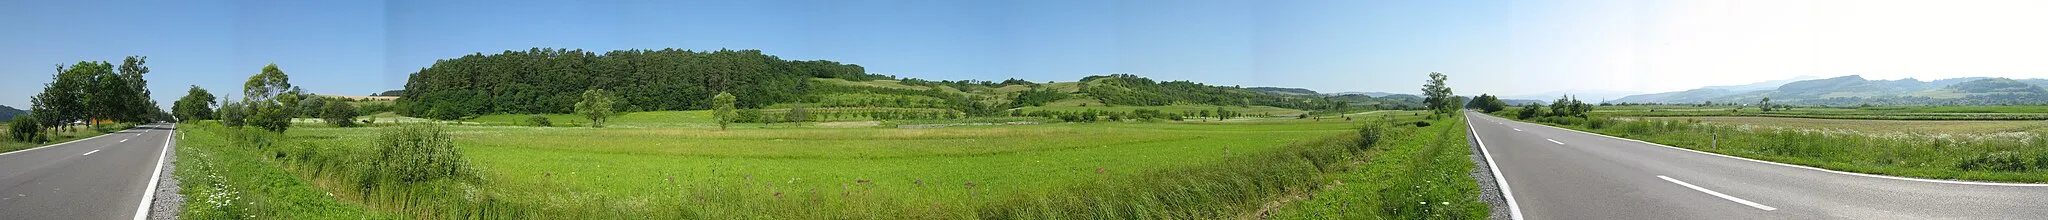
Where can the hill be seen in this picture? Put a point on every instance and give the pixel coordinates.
(1285, 91)
(8, 113)
(551, 81)
(1855, 90)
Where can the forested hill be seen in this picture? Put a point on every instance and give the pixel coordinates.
(9, 112)
(549, 80)
(552, 80)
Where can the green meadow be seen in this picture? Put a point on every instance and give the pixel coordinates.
(678, 165)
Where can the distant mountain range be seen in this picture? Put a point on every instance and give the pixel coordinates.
(1855, 90)
(8, 113)
(1588, 96)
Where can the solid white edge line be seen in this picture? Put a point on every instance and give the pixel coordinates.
(66, 142)
(1810, 168)
(149, 194)
(1514, 209)
(1554, 141)
(1718, 194)
(90, 152)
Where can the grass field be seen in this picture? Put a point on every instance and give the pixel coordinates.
(673, 164)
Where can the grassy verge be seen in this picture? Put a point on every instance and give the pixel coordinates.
(2012, 157)
(222, 180)
(1416, 173)
(66, 135)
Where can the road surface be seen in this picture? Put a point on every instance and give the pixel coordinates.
(103, 177)
(1553, 173)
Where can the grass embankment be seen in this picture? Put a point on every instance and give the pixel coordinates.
(1068, 170)
(2002, 157)
(221, 180)
(62, 135)
(1416, 173)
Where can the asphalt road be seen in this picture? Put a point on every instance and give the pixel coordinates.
(1554, 173)
(102, 177)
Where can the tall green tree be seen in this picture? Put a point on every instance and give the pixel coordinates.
(140, 107)
(266, 96)
(596, 106)
(196, 105)
(722, 107)
(1437, 95)
(339, 113)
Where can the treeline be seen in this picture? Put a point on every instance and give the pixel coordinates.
(1093, 115)
(91, 92)
(541, 80)
(1127, 89)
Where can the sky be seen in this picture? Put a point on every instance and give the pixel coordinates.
(1507, 47)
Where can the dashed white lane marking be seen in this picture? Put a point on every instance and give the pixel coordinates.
(90, 153)
(1718, 194)
(1554, 141)
(1516, 129)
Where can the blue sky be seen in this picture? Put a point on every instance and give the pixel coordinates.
(1499, 47)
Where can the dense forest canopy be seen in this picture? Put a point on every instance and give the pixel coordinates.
(544, 80)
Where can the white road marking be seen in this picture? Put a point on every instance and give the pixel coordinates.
(1514, 210)
(1815, 168)
(1718, 194)
(149, 194)
(1516, 129)
(90, 152)
(1554, 141)
(124, 140)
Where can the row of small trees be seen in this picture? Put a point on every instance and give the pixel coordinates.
(89, 92)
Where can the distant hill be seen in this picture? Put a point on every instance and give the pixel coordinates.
(1765, 85)
(1590, 96)
(8, 113)
(1523, 101)
(1285, 91)
(1855, 90)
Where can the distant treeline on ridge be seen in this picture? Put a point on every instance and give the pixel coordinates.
(542, 80)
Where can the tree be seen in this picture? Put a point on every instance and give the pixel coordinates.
(268, 101)
(1531, 110)
(1437, 95)
(722, 107)
(196, 105)
(234, 114)
(1764, 105)
(267, 84)
(139, 107)
(596, 106)
(1487, 103)
(311, 107)
(339, 114)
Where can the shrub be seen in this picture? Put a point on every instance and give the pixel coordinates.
(25, 129)
(339, 114)
(414, 153)
(1421, 124)
(1370, 135)
(537, 120)
(1598, 122)
(1997, 161)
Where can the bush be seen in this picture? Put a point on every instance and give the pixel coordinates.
(1421, 124)
(1998, 161)
(339, 113)
(537, 120)
(25, 129)
(414, 153)
(1370, 135)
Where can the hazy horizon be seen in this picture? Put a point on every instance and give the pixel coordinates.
(1508, 48)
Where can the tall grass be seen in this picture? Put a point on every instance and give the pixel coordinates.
(1417, 173)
